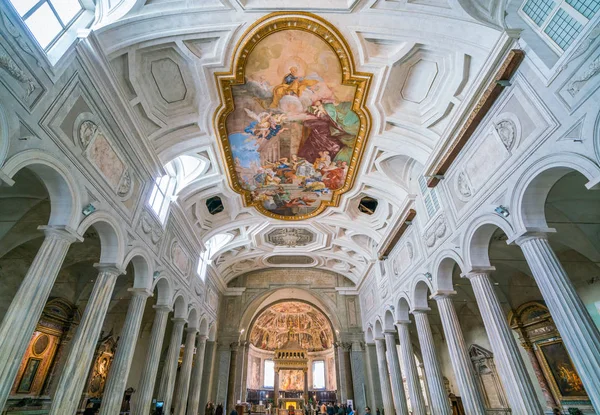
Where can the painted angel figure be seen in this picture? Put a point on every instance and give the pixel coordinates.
(266, 125)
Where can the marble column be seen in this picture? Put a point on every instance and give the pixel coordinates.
(27, 305)
(439, 403)
(197, 373)
(183, 385)
(73, 376)
(395, 373)
(521, 396)
(375, 400)
(209, 373)
(410, 366)
(244, 375)
(461, 363)
(346, 359)
(148, 378)
(384, 377)
(426, 393)
(276, 390)
(305, 390)
(119, 368)
(169, 373)
(231, 383)
(579, 333)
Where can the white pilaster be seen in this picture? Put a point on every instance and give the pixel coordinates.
(167, 381)
(412, 375)
(384, 377)
(148, 378)
(395, 373)
(27, 305)
(517, 384)
(461, 363)
(197, 373)
(183, 386)
(439, 403)
(74, 374)
(119, 368)
(579, 333)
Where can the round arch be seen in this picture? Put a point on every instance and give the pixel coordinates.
(535, 183)
(279, 295)
(142, 268)
(180, 306)
(403, 308)
(65, 199)
(112, 239)
(477, 239)
(443, 267)
(419, 289)
(165, 292)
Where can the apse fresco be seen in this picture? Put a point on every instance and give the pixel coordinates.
(293, 129)
(300, 321)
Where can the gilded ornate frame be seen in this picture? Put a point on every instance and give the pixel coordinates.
(265, 26)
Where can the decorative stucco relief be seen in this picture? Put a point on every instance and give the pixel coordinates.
(290, 237)
(580, 81)
(436, 231)
(507, 131)
(150, 227)
(13, 70)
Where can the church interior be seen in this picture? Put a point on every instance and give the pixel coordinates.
(285, 207)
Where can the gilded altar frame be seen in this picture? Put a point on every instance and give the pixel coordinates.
(262, 28)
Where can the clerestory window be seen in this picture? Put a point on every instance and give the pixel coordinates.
(559, 22)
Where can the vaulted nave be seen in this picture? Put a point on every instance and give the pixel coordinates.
(340, 207)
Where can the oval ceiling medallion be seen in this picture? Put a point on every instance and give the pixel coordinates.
(290, 260)
(292, 123)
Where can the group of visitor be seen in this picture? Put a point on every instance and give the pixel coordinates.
(210, 409)
(335, 409)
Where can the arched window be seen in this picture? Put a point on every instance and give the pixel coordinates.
(213, 245)
(54, 23)
(318, 374)
(160, 198)
(269, 378)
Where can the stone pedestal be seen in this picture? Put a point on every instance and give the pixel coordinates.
(148, 378)
(461, 363)
(27, 305)
(439, 403)
(183, 386)
(384, 377)
(511, 368)
(119, 369)
(412, 375)
(395, 373)
(197, 373)
(167, 381)
(579, 333)
(73, 376)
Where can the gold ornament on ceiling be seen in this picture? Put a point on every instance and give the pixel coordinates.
(292, 123)
(293, 321)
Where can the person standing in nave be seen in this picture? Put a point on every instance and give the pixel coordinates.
(330, 410)
(219, 410)
(323, 408)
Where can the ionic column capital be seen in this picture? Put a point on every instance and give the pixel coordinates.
(191, 330)
(202, 339)
(61, 232)
(420, 310)
(530, 234)
(179, 321)
(478, 272)
(442, 294)
(162, 308)
(140, 292)
(402, 322)
(108, 268)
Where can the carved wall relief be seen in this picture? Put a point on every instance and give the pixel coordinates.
(436, 231)
(507, 131)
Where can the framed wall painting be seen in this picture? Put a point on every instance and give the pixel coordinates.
(560, 372)
(31, 370)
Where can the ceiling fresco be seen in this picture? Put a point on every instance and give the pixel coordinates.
(293, 123)
(307, 325)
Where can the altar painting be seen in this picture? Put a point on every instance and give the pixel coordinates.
(295, 129)
(291, 380)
